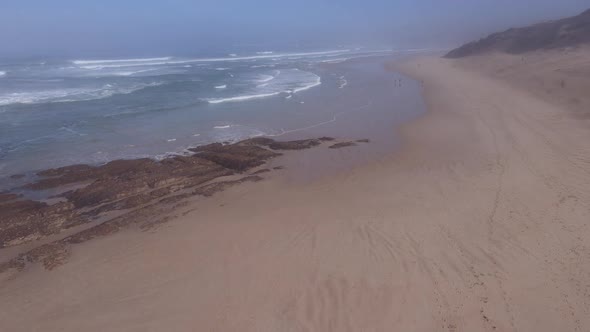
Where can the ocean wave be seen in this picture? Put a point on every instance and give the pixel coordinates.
(2, 73)
(102, 64)
(242, 98)
(129, 73)
(90, 62)
(262, 66)
(222, 127)
(318, 81)
(265, 78)
(70, 94)
(221, 86)
(339, 60)
(289, 81)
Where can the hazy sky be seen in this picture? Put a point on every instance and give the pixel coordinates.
(183, 27)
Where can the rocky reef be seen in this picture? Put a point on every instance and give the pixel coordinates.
(109, 197)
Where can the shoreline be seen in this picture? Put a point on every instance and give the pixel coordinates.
(477, 223)
(170, 126)
(46, 200)
(77, 202)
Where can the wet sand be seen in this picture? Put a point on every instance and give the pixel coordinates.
(478, 223)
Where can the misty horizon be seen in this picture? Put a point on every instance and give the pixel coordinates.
(180, 28)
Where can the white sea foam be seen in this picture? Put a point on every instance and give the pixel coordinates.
(221, 68)
(339, 60)
(129, 73)
(232, 54)
(265, 52)
(171, 140)
(318, 81)
(125, 65)
(72, 131)
(69, 94)
(263, 66)
(221, 86)
(123, 61)
(265, 78)
(2, 73)
(290, 82)
(222, 127)
(102, 64)
(242, 98)
(343, 82)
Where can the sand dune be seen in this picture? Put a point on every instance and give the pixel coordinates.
(560, 77)
(549, 35)
(478, 223)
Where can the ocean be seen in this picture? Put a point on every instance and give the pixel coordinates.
(61, 112)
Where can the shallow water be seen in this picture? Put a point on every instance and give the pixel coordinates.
(93, 111)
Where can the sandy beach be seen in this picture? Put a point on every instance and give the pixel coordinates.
(479, 222)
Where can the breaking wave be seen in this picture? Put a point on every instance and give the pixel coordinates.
(122, 61)
(101, 64)
(287, 82)
(70, 94)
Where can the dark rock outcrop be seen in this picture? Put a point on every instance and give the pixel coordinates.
(342, 145)
(22, 221)
(237, 157)
(133, 188)
(5, 197)
(288, 145)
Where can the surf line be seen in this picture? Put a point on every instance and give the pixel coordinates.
(334, 118)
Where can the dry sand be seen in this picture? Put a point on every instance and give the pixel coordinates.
(560, 77)
(479, 223)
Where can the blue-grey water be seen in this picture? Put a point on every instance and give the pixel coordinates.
(56, 113)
